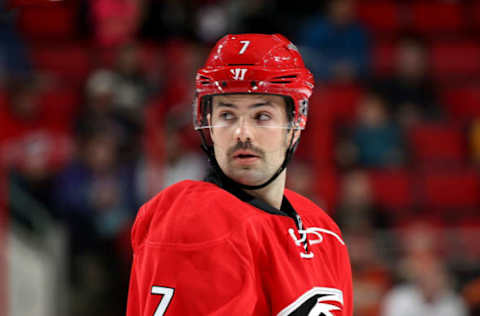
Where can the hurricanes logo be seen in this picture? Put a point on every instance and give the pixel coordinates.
(319, 301)
(322, 308)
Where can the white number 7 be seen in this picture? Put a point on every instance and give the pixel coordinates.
(167, 294)
(244, 47)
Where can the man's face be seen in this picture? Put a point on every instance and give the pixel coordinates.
(250, 135)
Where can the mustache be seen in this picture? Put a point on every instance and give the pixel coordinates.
(245, 146)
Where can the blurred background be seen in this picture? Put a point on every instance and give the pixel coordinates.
(95, 118)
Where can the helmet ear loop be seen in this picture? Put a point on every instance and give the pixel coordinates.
(208, 149)
(292, 147)
(206, 107)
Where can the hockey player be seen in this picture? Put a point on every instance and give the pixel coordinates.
(239, 243)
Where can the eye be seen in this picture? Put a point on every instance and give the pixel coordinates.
(263, 117)
(227, 116)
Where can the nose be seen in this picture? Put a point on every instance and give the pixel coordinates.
(243, 131)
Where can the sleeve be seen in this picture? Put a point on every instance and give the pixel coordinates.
(213, 278)
(347, 284)
(133, 301)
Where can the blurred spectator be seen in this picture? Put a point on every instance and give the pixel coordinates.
(29, 137)
(31, 150)
(116, 21)
(255, 16)
(475, 141)
(359, 218)
(428, 290)
(14, 59)
(302, 180)
(167, 19)
(471, 294)
(371, 277)
(29, 196)
(182, 58)
(98, 95)
(130, 92)
(96, 187)
(421, 237)
(183, 160)
(130, 84)
(374, 140)
(336, 47)
(96, 197)
(409, 91)
(99, 109)
(211, 22)
(172, 151)
(356, 211)
(118, 97)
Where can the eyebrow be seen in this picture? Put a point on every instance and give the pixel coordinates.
(256, 105)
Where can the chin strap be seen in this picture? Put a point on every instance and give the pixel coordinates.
(208, 149)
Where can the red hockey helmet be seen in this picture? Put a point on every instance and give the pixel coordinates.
(254, 63)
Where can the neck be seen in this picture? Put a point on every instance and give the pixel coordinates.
(272, 193)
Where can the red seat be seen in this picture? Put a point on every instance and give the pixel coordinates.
(154, 133)
(340, 101)
(392, 189)
(150, 58)
(453, 59)
(457, 190)
(71, 61)
(421, 234)
(318, 138)
(468, 231)
(64, 103)
(327, 188)
(52, 20)
(13, 4)
(463, 103)
(474, 11)
(383, 59)
(437, 145)
(329, 105)
(380, 17)
(3, 98)
(437, 17)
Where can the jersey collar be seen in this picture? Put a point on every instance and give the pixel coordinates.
(286, 209)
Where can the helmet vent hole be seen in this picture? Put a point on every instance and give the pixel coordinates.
(285, 77)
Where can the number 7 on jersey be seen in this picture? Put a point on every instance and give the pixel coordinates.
(167, 294)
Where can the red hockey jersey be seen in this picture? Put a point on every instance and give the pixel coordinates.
(202, 250)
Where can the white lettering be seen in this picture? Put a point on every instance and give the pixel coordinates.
(244, 47)
(238, 73)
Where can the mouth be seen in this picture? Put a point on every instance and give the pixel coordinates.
(245, 156)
